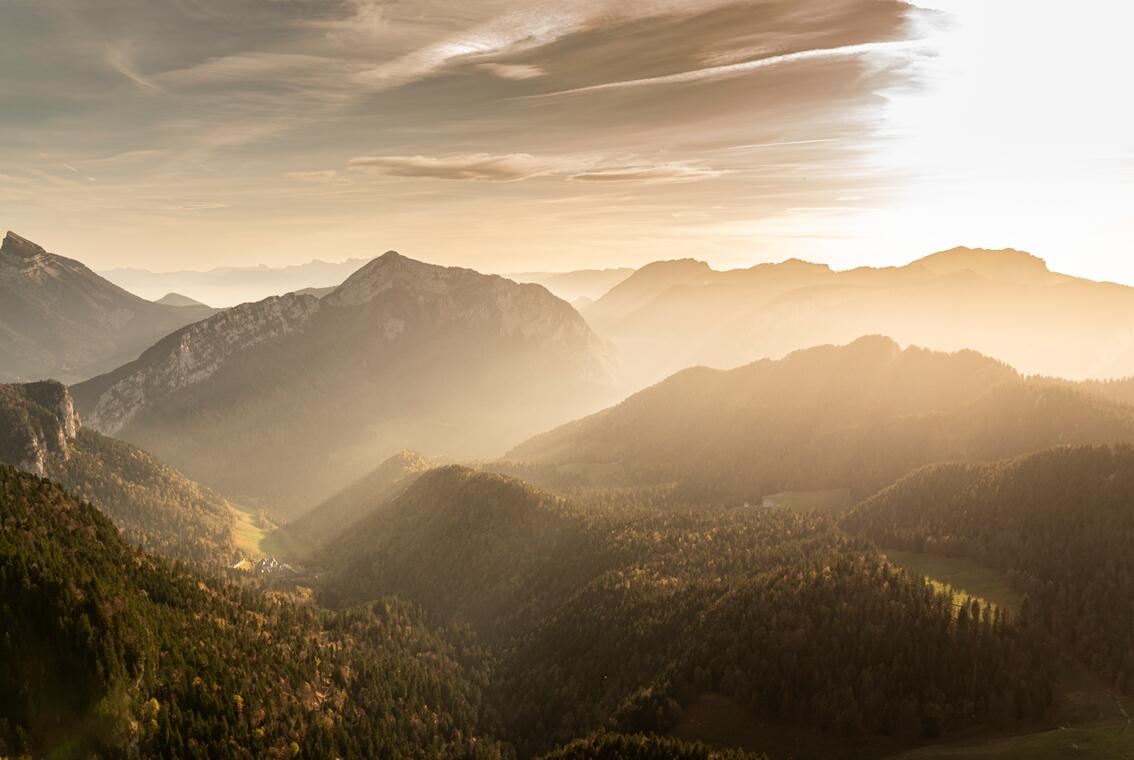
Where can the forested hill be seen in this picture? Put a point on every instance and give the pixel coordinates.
(856, 417)
(108, 652)
(155, 506)
(1060, 523)
(621, 617)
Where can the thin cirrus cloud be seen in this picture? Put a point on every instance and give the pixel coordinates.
(514, 71)
(514, 167)
(736, 69)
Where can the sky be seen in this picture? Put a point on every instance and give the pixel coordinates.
(511, 135)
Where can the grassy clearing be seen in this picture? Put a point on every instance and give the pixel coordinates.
(250, 532)
(964, 578)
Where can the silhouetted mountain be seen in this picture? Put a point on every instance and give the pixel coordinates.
(1005, 303)
(620, 615)
(229, 286)
(306, 393)
(573, 286)
(60, 320)
(1059, 523)
(854, 417)
(107, 652)
(176, 299)
(155, 506)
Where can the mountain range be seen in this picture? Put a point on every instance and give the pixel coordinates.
(60, 320)
(853, 418)
(229, 286)
(308, 393)
(1004, 303)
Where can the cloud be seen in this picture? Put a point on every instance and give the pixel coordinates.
(118, 57)
(513, 70)
(659, 173)
(253, 67)
(322, 176)
(483, 167)
(193, 208)
(735, 69)
(514, 167)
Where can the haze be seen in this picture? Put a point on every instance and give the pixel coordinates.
(189, 135)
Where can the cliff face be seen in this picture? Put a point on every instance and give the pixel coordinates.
(37, 421)
(195, 353)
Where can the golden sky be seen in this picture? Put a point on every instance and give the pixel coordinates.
(513, 135)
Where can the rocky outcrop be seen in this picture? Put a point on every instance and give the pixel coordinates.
(37, 421)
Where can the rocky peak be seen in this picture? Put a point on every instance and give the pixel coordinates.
(391, 270)
(37, 422)
(20, 247)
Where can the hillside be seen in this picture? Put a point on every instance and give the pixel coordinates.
(307, 393)
(672, 315)
(623, 616)
(852, 417)
(155, 506)
(60, 320)
(108, 652)
(340, 513)
(1059, 523)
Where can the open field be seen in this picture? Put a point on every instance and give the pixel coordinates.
(963, 577)
(249, 533)
(829, 502)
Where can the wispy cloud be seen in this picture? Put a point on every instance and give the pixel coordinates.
(735, 69)
(513, 70)
(119, 58)
(482, 167)
(660, 173)
(514, 167)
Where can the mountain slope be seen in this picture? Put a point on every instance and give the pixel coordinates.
(1059, 523)
(107, 652)
(155, 506)
(306, 393)
(854, 417)
(1014, 309)
(60, 320)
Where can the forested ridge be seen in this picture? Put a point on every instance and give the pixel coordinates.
(856, 417)
(1060, 523)
(612, 617)
(109, 652)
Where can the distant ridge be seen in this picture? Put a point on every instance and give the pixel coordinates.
(176, 299)
(58, 319)
(1004, 303)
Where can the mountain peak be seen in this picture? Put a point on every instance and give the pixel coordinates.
(176, 299)
(14, 245)
(390, 270)
(1004, 264)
